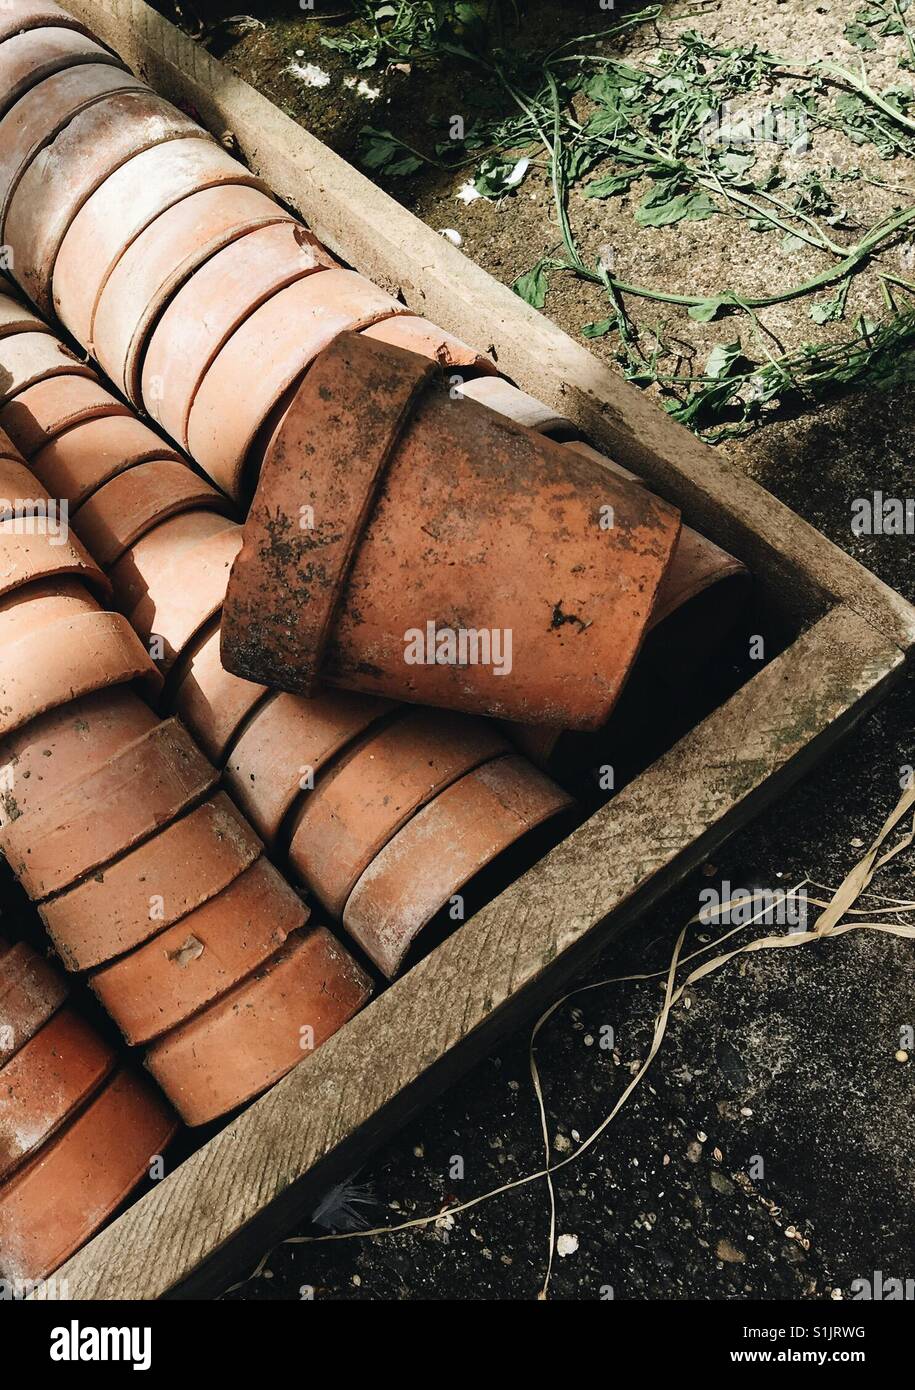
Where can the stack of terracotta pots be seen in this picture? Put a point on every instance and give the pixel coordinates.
(78, 1130)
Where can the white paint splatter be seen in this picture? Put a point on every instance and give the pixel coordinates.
(566, 1245)
(362, 88)
(468, 194)
(451, 235)
(310, 74)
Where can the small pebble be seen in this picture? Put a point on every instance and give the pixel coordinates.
(566, 1245)
(902, 1056)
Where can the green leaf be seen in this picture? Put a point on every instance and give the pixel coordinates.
(710, 309)
(722, 359)
(609, 186)
(860, 37)
(694, 206)
(533, 286)
(381, 149)
(599, 329)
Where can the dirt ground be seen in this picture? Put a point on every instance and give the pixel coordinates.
(783, 1066)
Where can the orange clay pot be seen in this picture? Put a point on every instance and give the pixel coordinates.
(46, 1082)
(80, 1177)
(80, 460)
(420, 336)
(31, 992)
(215, 302)
(67, 743)
(17, 485)
(94, 820)
(42, 412)
(283, 336)
(50, 554)
(285, 744)
(124, 206)
(361, 802)
(27, 358)
(440, 849)
(151, 887)
(500, 395)
(19, 16)
(15, 318)
(48, 601)
(27, 59)
(203, 956)
(68, 170)
(156, 265)
(125, 509)
(259, 1031)
(211, 701)
(431, 512)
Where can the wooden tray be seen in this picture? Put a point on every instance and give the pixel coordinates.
(245, 1188)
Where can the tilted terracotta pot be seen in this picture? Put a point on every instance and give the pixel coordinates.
(15, 318)
(419, 335)
(440, 849)
(18, 16)
(50, 553)
(46, 1082)
(46, 754)
(81, 459)
(96, 819)
(365, 798)
(80, 1177)
(27, 358)
(432, 513)
(43, 604)
(286, 744)
(500, 395)
(42, 412)
(44, 111)
(215, 302)
(203, 956)
(259, 1031)
(126, 204)
(159, 261)
(209, 699)
(125, 509)
(64, 174)
(283, 337)
(31, 992)
(27, 59)
(152, 886)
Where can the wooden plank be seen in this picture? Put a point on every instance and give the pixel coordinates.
(243, 1189)
(362, 224)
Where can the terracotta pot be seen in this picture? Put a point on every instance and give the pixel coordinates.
(27, 59)
(283, 336)
(123, 207)
(434, 513)
(254, 1035)
(215, 302)
(153, 886)
(361, 802)
(77, 462)
(67, 659)
(142, 788)
(18, 16)
(159, 261)
(41, 605)
(500, 395)
(8, 449)
(125, 509)
(42, 412)
(14, 317)
(212, 702)
(16, 485)
(441, 849)
(46, 1082)
(419, 335)
(44, 111)
(31, 992)
(64, 174)
(51, 553)
(202, 957)
(173, 581)
(286, 740)
(27, 358)
(79, 1179)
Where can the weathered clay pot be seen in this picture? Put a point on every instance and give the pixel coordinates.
(51, 553)
(80, 1177)
(44, 111)
(419, 335)
(440, 849)
(18, 16)
(68, 170)
(364, 799)
(125, 205)
(259, 1031)
(27, 59)
(500, 395)
(81, 459)
(283, 336)
(15, 318)
(40, 605)
(209, 699)
(285, 745)
(215, 302)
(203, 956)
(173, 581)
(31, 992)
(46, 754)
(46, 1082)
(142, 788)
(66, 659)
(17, 484)
(152, 886)
(133, 503)
(432, 513)
(42, 412)
(159, 261)
(27, 358)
